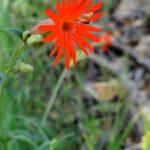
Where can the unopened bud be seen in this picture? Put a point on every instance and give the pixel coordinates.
(35, 40)
(26, 35)
(23, 68)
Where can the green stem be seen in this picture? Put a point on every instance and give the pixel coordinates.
(53, 96)
(15, 56)
(3, 136)
(56, 89)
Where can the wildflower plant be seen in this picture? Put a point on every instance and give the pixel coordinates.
(70, 27)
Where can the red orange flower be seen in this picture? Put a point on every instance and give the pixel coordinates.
(105, 40)
(70, 28)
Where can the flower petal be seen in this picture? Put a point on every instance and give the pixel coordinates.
(73, 52)
(82, 5)
(63, 2)
(88, 28)
(60, 51)
(59, 38)
(88, 35)
(47, 27)
(77, 41)
(59, 8)
(54, 50)
(96, 16)
(67, 52)
(94, 8)
(51, 37)
(52, 15)
(74, 7)
(70, 50)
(85, 42)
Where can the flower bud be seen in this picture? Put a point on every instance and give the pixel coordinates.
(105, 41)
(35, 40)
(26, 35)
(23, 68)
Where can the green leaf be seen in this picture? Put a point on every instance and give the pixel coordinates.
(17, 32)
(25, 139)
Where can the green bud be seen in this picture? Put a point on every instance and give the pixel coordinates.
(35, 40)
(23, 68)
(26, 35)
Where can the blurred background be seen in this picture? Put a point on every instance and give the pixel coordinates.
(103, 103)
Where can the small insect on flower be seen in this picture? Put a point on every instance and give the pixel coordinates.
(71, 28)
(84, 18)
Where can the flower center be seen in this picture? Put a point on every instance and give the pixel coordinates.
(67, 26)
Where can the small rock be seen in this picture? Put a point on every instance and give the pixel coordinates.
(138, 23)
(143, 48)
(146, 6)
(106, 91)
(127, 8)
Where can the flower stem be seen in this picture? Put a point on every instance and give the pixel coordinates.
(3, 135)
(53, 96)
(15, 56)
